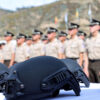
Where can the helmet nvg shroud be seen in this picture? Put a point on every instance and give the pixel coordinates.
(37, 78)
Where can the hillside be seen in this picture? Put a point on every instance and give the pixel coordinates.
(25, 20)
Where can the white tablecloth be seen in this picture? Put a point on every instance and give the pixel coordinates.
(91, 93)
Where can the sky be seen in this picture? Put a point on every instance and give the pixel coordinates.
(13, 4)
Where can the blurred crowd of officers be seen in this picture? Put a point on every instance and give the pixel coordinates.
(73, 45)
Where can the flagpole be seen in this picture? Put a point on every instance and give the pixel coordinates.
(66, 21)
(90, 13)
(77, 15)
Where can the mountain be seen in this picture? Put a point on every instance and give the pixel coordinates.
(25, 20)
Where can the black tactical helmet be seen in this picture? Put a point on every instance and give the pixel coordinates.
(74, 67)
(37, 78)
(3, 74)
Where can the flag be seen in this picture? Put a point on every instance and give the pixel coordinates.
(66, 21)
(77, 13)
(56, 20)
(66, 18)
(89, 11)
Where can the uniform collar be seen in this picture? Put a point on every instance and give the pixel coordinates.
(8, 42)
(55, 40)
(39, 41)
(76, 37)
(23, 44)
(98, 36)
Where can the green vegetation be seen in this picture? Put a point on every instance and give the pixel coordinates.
(26, 19)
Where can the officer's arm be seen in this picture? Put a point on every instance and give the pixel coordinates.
(26, 52)
(86, 63)
(81, 50)
(12, 59)
(81, 59)
(60, 51)
(13, 50)
(1, 58)
(43, 50)
(1, 61)
(64, 56)
(60, 56)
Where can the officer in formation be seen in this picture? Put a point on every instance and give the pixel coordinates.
(74, 48)
(82, 35)
(29, 44)
(93, 48)
(37, 48)
(53, 47)
(9, 49)
(21, 53)
(62, 37)
(86, 51)
(44, 39)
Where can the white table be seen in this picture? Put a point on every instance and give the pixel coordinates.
(91, 93)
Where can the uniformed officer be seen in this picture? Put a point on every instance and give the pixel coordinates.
(29, 44)
(3, 44)
(62, 37)
(54, 47)
(82, 35)
(44, 39)
(21, 53)
(74, 48)
(9, 49)
(93, 46)
(37, 48)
